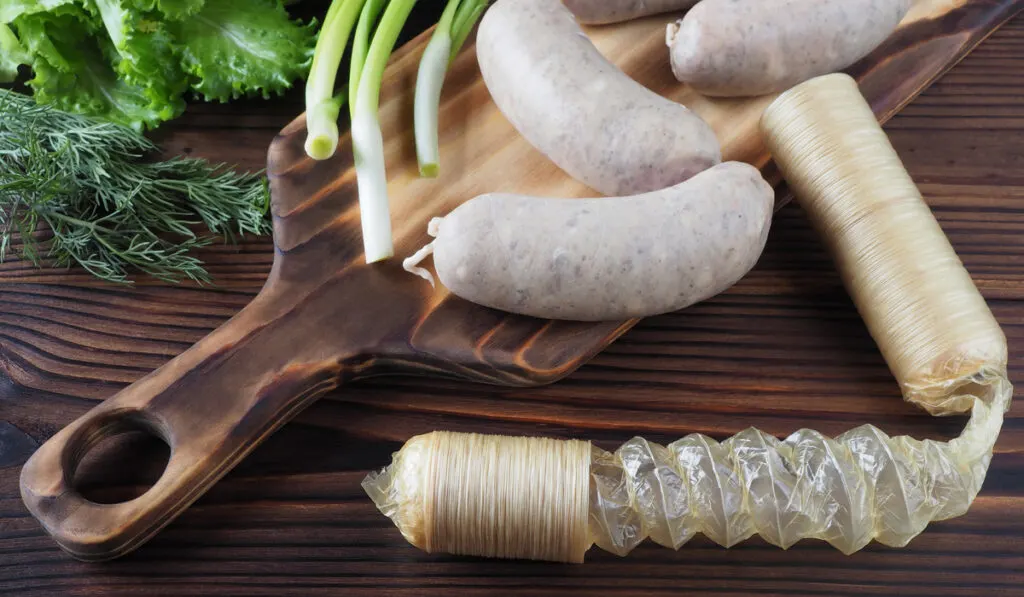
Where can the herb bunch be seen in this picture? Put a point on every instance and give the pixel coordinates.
(109, 209)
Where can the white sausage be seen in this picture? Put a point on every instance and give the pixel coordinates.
(599, 12)
(601, 127)
(755, 47)
(605, 258)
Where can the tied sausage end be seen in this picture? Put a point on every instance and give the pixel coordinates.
(411, 264)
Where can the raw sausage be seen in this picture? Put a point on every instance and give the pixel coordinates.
(598, 125)
(605, 258)
(756, 47)
(599, 12)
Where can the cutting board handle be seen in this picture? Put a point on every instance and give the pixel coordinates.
(211, 405)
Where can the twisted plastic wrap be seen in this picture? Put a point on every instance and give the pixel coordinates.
(937, 335)
(860, 486)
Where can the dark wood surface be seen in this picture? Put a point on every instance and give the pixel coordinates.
(784, 349)
(298, 338)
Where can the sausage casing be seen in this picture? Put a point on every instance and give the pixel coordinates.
(607, 258)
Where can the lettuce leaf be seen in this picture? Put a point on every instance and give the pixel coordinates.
(12, 55)
(178, 9)
(240, 47)
(147, 56)
(173, 10)
(12, 9)
(131, 61)
(40, 34)
(74, 71)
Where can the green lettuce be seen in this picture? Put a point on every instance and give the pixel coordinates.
(241, 47)
(12, 9)
(74, 71)
(12, 55)
(176, 9)
(147, 56)
(49, 35)
(133, 61)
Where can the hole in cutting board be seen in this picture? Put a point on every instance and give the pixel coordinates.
(121, 466)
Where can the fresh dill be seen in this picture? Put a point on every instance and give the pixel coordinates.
(74, 190)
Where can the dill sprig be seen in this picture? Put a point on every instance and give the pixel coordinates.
(107, 208)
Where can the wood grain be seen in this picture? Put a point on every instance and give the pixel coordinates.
(324, 317)
(292, 520)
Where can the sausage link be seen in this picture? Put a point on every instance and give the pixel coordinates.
(598, 125)
(755, 47)
(607, 258)
(600, 12)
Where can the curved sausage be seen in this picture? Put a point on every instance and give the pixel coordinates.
(598, 125)
(605, 258)
(756, 47)
(600, 12)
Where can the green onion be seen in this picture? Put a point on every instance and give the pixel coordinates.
(456, 22)
(361, 45)
(322, 105)
(469, 13)
(371, 48)
(367, 139)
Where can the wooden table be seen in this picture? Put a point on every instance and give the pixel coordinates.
(782, 350)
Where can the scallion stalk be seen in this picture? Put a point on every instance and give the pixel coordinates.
(322, 106)
(429, 80)
(361, 46)
(367, 139)
(469, 13)
(456, 22)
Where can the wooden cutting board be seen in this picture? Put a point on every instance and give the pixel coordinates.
(324, 317)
